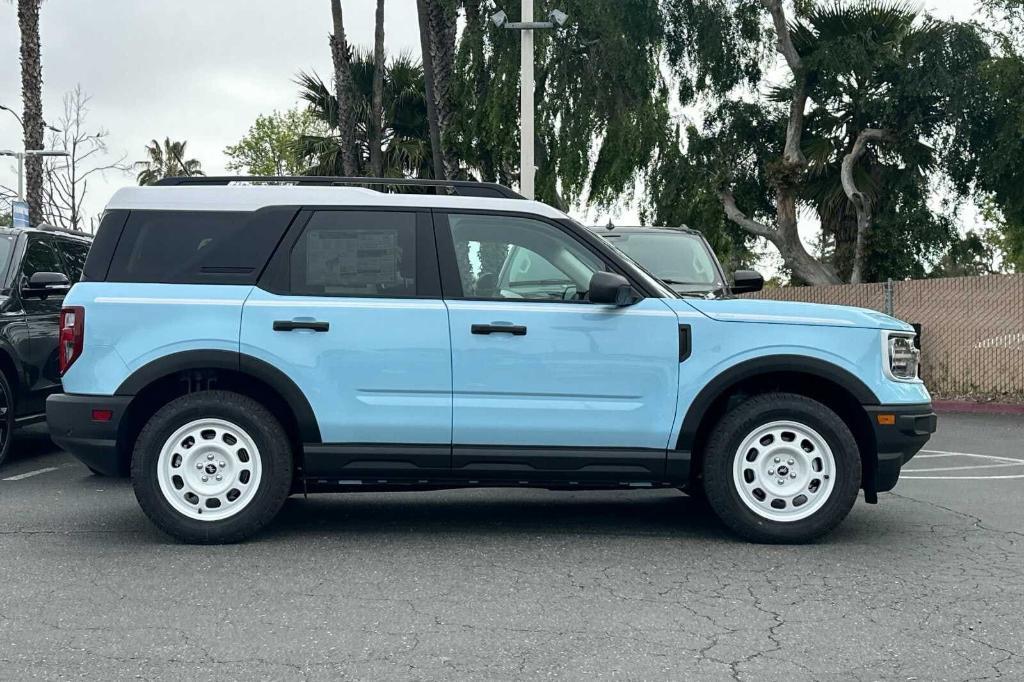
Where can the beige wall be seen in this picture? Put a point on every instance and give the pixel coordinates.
(973, 328)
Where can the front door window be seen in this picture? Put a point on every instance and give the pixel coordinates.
(506, 257)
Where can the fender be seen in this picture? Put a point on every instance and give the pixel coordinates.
(157, 369)
(766, 365)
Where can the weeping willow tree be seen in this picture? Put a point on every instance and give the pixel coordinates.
(602, 99)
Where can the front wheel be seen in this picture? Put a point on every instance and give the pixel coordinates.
(212, 467)
(782, 468)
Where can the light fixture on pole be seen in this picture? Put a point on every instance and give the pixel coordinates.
(13, 113)
(556, 17)
(20, 156)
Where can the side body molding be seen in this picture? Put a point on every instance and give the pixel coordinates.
(168, 365)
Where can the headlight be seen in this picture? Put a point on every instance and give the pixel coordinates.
(902, 358)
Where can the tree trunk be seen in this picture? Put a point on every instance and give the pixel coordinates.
(786, 239)
(377, 113)
(840, 225)
(786, 175)
(428, 85)
(861, 201)
(442, 21)
(344, 89)
(32, 95)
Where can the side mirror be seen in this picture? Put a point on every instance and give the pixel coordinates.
(747, 282)
(610, 288)
(44, 283)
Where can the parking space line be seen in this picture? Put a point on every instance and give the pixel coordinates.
(971, 467)
(30, 474)
(962, 478)
(943, 453)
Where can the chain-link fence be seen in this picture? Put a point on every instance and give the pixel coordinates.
(972, 328)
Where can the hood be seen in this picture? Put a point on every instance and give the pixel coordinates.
(791, 312)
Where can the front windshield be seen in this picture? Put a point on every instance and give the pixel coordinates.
(676, 258)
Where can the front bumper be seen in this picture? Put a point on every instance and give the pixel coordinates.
(95, 443)
(900, 433)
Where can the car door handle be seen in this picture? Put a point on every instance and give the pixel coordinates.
(292, 325)
(513, 329)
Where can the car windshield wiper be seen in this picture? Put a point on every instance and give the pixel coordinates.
(705, 291)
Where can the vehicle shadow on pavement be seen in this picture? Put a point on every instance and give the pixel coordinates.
(29, 443)
(498, 511)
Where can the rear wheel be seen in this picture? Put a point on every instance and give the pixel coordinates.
(212, 467)
(782, 468)
(6, 417)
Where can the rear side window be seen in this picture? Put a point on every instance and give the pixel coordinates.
(197, 247)
(74, 254)
(40, 257)
(355, 253)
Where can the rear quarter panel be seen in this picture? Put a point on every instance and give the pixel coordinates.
(128, 325)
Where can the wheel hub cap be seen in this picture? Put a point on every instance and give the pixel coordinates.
(209, 469)
(784, 471)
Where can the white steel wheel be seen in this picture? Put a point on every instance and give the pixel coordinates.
(209, 469)
(784, 471)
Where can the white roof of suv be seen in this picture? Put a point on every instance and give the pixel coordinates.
(252, 197)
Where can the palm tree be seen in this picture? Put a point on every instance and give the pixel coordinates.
(866, 64)
(377, 110)
(31, 93)
(405, 138)
(433, 117)
(344, 91)
(165, 161)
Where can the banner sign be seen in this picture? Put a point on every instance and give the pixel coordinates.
(20, 210)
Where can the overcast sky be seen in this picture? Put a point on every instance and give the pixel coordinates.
(195, 70)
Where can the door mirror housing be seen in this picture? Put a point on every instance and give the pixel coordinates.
(44, 283)
(610, 288)
(747, 282)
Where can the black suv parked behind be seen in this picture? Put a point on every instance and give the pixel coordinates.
(37, 267)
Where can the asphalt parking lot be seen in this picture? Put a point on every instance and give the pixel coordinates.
(927, 585)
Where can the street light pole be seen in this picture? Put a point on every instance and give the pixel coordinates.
(527, 165)
(20, 156)
(527, 169)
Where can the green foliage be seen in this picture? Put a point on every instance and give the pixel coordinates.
(405, 138)
(938, 86)
(714, 46)
(602, 101)
(6, 220)
(167, 160)
(971, 256)
(270, 145)
(879, 65)
(985, 148)
(908, 234)
(683, 184)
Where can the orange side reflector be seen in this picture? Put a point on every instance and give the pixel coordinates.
(886, 419)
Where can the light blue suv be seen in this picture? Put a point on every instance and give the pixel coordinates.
(237, 340)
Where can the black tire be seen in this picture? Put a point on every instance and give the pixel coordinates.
(275, 453)
(6, 418)
(721, 454)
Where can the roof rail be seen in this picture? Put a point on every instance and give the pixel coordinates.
(46, 227)
(465, 188)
